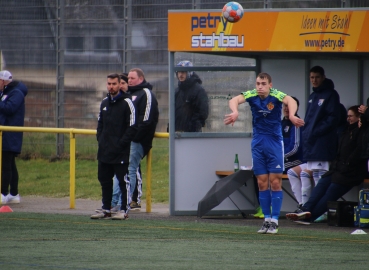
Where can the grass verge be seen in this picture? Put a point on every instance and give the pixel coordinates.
(41, 177)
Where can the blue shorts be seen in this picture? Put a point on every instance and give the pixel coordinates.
(267, 155)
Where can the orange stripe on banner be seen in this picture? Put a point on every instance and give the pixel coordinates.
(346, 29)
(324, 29)
(258, 31)
(362, 44)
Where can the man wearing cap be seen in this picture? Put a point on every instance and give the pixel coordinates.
(12, 111)
(191, 101)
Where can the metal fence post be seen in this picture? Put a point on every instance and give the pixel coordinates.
(148, 182)
(60, 49)
(72, 170)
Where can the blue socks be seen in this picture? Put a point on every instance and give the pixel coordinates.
(277, 198)
(271, 199)
(265, 199)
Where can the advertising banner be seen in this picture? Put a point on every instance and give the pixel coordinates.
(270, 31)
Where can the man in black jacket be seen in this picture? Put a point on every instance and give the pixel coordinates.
(115, 130)
(147, 114)
(191, 101)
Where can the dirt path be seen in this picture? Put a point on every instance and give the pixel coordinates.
(82, 206)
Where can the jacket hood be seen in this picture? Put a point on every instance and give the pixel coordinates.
(140, 86)
(18, 85)
(326, 84)
(190, 81)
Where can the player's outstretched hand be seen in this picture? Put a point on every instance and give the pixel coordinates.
(230, 118)
(298, 122)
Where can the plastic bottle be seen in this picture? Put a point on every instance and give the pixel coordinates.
(236, 163)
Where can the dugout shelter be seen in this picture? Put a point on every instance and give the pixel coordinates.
(228, 57)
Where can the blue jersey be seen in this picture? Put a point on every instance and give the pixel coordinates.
(266, 113)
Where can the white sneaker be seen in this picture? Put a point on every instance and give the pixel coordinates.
(302, 222)
(121, 215)
(13, 199)
(265, 227)
(4, 199)
(273, 228)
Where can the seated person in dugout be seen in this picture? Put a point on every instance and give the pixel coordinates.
(347, 170)
(300, 178)
(291, 139)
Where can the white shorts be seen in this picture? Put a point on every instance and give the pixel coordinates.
(317, 165)
(303, 166)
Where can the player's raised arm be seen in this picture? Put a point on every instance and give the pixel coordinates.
(292, 107)
(233, 105)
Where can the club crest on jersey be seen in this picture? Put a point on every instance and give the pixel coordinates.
(270, 106)
(286, 128)
(320, 102)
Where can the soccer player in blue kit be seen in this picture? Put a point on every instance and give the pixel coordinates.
(267, 143)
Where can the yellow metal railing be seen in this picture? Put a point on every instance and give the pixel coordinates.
(72, 177)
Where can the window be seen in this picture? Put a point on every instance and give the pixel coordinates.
(74, 44)
(102, 44)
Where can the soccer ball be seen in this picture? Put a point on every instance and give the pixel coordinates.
(232, 12)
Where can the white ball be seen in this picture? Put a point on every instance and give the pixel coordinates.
(232, 12)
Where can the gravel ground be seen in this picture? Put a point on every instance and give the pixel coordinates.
(158, 212)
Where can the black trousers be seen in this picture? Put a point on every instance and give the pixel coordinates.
(105, 175)
(9, 174)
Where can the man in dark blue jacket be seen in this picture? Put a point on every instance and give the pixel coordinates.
(322, 120)
(12, 110)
